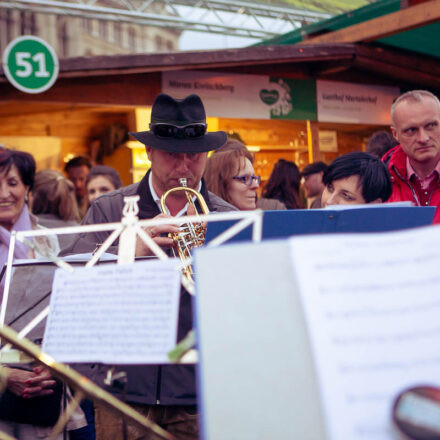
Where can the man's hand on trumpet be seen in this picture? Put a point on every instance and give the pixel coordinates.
(159, 234)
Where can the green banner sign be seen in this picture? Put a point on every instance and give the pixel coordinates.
(296, 101)
(30, 64)
(228, 95)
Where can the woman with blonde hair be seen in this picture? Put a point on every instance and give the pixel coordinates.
(53, 201)
(230, 175)
(217, 178)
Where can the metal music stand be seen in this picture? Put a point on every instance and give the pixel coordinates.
(127, 231)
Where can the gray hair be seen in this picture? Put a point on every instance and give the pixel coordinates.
(414, 96)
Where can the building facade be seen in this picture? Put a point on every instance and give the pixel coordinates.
(76, 36)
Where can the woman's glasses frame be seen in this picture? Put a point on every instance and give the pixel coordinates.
(248, 179)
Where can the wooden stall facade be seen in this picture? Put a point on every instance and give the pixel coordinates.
(93, 93)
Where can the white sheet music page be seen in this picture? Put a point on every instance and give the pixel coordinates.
(372, 306)
(117, 314)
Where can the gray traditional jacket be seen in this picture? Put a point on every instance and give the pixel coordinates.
(147, 384)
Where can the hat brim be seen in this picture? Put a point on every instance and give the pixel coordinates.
(208, 142)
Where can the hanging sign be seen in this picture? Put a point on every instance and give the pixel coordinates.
(328, 141)
(30, 64)
(354, 103)
(245, 96)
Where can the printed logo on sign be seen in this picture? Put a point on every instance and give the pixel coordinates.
(283, 106)
(269, 97)
(30, 64)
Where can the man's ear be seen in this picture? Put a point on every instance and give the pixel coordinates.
(148, 150)
(394, 133)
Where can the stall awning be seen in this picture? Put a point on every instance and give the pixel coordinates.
(415, 28)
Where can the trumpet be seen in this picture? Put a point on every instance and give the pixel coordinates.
(190, 235)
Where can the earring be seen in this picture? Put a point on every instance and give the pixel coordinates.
(26, 198)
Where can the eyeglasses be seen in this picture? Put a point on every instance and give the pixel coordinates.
(186, 131)
(247, 180)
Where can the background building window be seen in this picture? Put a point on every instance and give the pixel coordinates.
(158, 42)
(87, 25)
(22, 23)
(6, 28)
(63, 38)
(33, 24)
(118, 33)
(103, 29)
(27, 23)
(9, 25)
(132, 39)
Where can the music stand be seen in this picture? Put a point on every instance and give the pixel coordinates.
(127, 230)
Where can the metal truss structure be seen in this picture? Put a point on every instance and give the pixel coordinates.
(244, 18)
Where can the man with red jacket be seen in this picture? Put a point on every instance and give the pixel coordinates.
(414, 165)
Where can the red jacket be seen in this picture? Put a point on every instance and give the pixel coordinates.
(395, 159)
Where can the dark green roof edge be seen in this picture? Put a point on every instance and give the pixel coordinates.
(344, 20)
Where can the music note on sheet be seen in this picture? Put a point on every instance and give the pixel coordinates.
(113, 313)
(372, 303)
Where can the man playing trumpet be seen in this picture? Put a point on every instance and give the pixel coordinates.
(177, 145)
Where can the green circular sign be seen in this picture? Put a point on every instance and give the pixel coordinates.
(30, 64)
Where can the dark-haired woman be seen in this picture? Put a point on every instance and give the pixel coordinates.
(283, 184)
(17, 172)
(101, 180)
(354, 179)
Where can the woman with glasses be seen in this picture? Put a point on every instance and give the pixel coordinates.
(283, 185)
(230, 175)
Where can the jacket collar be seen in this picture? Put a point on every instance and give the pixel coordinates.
(148, 207)
(395, 159)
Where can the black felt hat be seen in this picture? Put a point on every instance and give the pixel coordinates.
(180, 113)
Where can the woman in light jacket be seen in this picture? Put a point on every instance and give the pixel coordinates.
(24, 386)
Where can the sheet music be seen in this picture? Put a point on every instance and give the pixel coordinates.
(372, 306)
(114, 313)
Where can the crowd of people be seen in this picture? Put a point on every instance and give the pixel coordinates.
(404, 166)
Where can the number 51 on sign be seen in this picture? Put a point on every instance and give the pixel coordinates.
(30, 64)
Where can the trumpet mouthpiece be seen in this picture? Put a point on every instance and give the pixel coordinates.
(183, 181)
